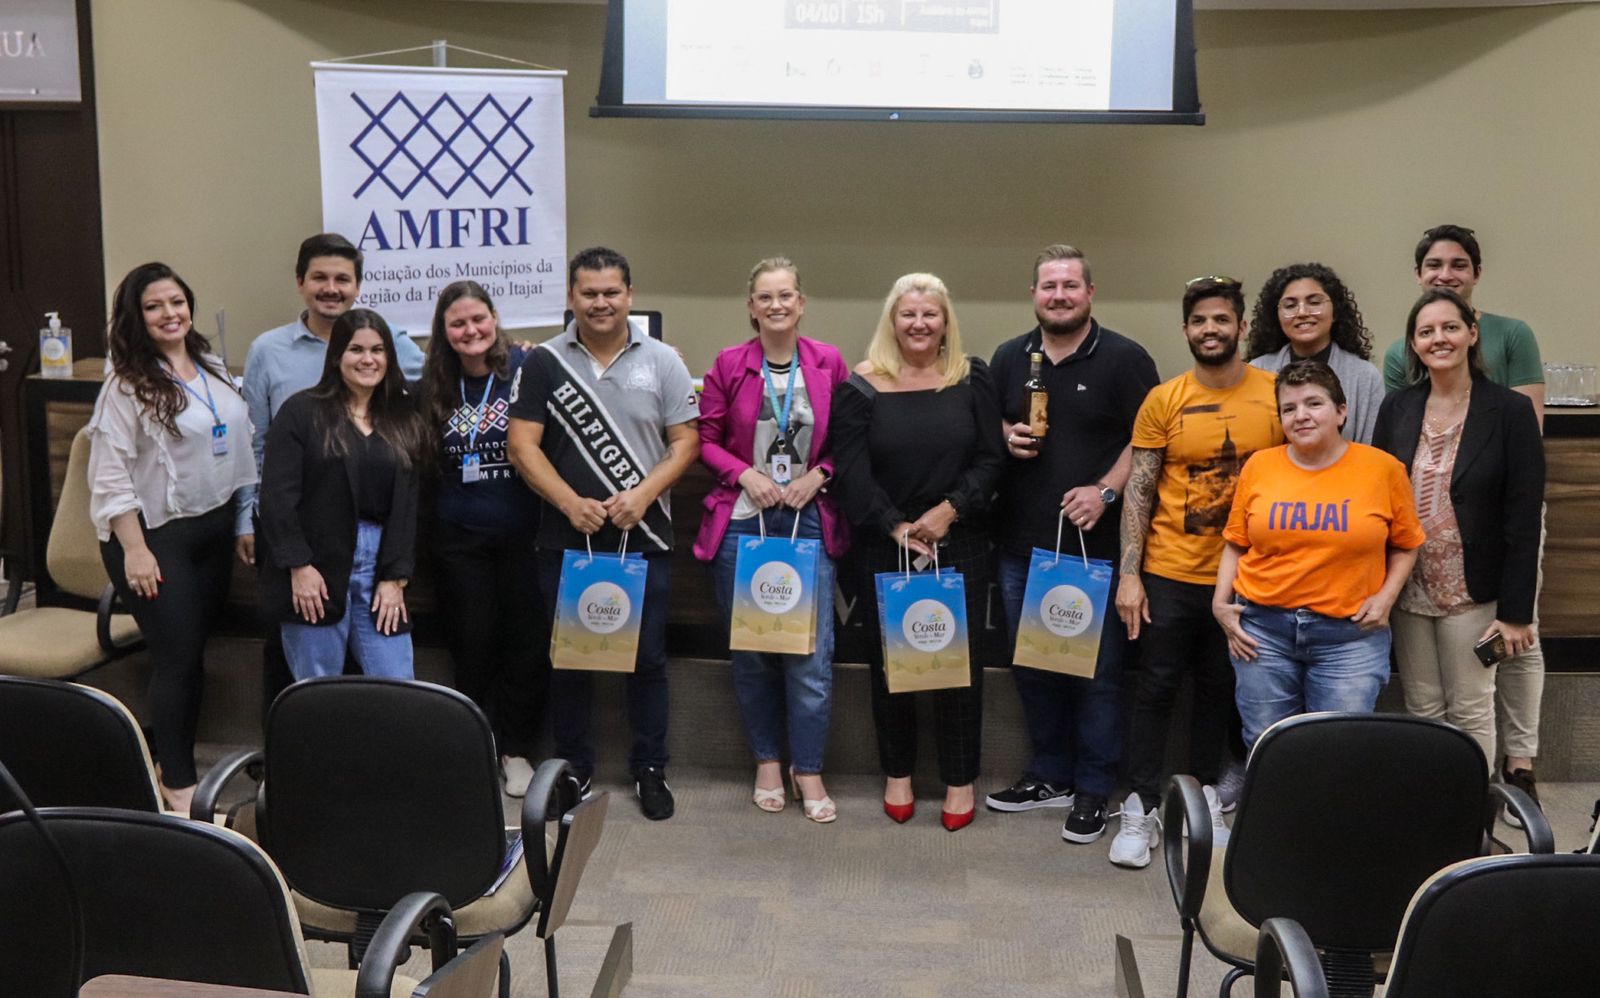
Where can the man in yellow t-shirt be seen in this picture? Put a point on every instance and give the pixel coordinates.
(1190, 439)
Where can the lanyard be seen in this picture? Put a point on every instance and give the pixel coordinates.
(477, 414)
(782, 416)
(210, 403)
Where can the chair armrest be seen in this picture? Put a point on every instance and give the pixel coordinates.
(420, 911)
(1188, 866)
(102, 620)
(14, 585)
(210, 788)
(1535, 826)
(1283, 943)
(553, 791)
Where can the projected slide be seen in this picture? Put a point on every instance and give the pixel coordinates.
(1045, 55)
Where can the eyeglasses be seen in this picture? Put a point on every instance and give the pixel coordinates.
(1314, 304)
(765, 299)
(1227, 282)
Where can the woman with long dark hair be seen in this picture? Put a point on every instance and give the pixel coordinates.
(169, 455)
(339, 508)
(485, 524)
(1304, 312)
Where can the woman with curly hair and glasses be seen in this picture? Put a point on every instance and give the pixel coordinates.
(1304, 312)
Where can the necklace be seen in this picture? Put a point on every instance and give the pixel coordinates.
(1442, 422)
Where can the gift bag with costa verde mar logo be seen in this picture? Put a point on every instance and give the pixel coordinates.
(1063, 609)
(923, 617)
(775, 593)
(598, 610)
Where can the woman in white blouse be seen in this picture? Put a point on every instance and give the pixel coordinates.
(169, 452)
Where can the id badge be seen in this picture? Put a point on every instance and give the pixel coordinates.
(781, 469)
(219, 440)
(470, 472)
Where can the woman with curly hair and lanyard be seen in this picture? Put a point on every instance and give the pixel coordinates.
(169, 453)
(1304, 312)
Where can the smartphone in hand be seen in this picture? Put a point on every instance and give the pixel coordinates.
(1491, 651)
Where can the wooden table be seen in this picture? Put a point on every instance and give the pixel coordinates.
(119, 986)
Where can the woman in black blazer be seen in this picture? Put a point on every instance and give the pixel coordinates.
(339, 508)
(1477, 470)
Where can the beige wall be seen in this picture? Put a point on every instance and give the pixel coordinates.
(1336, 137)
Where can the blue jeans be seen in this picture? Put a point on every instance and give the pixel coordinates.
(1074, 724)
(767, 683)
(320, 650)
(1306, 662)
(572, 690)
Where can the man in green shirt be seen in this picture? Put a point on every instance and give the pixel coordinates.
(1449, 257)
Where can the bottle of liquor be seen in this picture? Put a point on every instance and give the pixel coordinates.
(1038, 398)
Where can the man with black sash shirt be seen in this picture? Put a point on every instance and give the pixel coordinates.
(602, 424)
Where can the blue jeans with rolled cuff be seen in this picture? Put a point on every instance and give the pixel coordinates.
(773, 688)
(1306, 662)
(1074, 724)
(319, 650)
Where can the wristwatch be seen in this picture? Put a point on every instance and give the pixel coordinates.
(1108, 495)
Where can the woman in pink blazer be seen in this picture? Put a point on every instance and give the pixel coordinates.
(764, 435)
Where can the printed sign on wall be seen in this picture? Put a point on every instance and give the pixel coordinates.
(440, 175)
(39, 52)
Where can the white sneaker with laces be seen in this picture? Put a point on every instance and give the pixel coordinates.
(1140, 832)
(518, 772)
(1219, 828)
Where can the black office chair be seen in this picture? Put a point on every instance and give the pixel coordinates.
(1340, 818)
(1483, 928)
(73, 746)
(162, 896)
(373, 788)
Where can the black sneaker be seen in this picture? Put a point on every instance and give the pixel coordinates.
(1523, 780)
(655, 797)
(1087, 821)
(586, 788)
(1028, 793)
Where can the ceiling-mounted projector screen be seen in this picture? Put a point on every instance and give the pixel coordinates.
(1007, 60)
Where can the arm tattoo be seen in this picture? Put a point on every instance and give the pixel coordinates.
(1138, 505)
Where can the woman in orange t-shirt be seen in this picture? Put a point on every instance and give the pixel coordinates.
(1322, 535)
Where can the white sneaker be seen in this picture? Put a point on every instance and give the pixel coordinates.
(1219, 828)
(1140, 832)
(518, 773)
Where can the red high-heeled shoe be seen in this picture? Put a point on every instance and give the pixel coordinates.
(953, 822)
(901, 813)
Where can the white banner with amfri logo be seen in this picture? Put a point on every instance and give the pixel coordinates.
(440, 175)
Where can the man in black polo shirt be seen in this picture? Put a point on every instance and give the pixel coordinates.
(1096, 380)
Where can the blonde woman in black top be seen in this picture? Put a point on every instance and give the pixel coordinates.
(918, 452)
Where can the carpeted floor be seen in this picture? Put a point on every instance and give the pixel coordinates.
(728, 901)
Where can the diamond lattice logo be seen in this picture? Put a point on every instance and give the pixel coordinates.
(445, 143)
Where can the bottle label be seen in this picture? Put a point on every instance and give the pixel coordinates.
(1039, 412)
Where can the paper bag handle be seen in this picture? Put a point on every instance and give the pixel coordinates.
(1082, 547)
(622, 552)
(794, 535)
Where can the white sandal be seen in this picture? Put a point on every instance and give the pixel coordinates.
(821, 811)
(771, 801)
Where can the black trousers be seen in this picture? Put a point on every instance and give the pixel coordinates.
(498, 633)
(193, 554)
(1181, 639)
(957, 713)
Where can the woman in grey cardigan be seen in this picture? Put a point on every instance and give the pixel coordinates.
(1305, 312)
